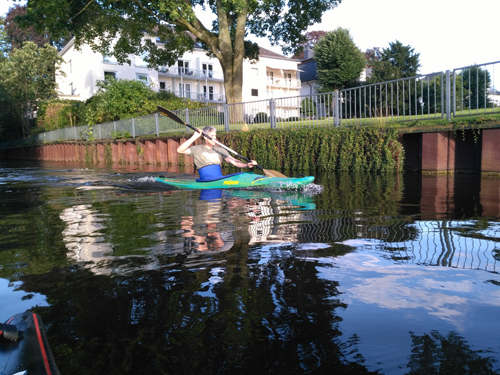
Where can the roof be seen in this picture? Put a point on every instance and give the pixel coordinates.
(308, 70)
(263, 52)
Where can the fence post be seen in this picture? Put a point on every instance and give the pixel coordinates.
(226, 117)
(454, 93)
(133, 127)
(448, 96)
(157, 125)
(272, 113)
(100, 132)
(336, 108)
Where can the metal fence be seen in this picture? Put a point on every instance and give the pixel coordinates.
(463, 91)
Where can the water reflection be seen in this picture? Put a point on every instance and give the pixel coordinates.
(434, 353)
(211, 223)
(375, 274)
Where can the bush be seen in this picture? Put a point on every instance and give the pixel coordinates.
(293, 118)
(59, 113)
(260, 118)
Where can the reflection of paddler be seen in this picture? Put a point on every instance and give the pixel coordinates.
(208, 157)
(208, 238)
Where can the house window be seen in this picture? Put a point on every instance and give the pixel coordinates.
(142, 77)
(270, 77)
(109, 59)
(141, 60)
(255, 92)
(71, 91)
(208, 70)
(288, 79)
(162, 85)
(183, 67)
(208, 92)
(185, 90)
(108, 75)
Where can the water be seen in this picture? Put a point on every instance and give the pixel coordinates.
(356, 274)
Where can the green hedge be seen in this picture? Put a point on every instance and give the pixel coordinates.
(367, 148)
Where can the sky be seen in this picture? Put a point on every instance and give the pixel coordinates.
(448, 34)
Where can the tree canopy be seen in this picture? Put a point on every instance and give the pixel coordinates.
(339, 61)
(117, 27)
(26, 78)
(4, 41)
(17, 35)
(397, 61)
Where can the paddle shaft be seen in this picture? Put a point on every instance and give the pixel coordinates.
(176, 118)
(223, 145)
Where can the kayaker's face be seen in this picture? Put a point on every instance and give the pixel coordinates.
(212, 134)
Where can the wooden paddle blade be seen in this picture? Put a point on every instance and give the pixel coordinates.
(271, 173)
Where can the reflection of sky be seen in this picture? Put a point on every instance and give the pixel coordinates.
(386, 301)
(14, 301)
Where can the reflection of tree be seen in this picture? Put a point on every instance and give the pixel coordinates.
(30, 235)
(280, 318)
(436, 354)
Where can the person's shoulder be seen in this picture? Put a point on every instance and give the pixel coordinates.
(220, 149)
(195, 147)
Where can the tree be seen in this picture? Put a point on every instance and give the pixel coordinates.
(476, 82)
(339, 61)
(18, 35)
(4, 41)
(397, 61)
(118, 27)
(312, 37)
(26, 78)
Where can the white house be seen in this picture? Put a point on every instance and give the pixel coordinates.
(195, 75)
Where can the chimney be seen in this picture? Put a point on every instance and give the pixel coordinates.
(308, 53)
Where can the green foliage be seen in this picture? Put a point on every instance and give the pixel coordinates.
(397, 61)
(87, 134)
(368, 148)
(26, 78)
(261, 118)
(118, 135)
(308, 107)
(339, 61)
(4, 40)
(59, 113)
(476, 83)
(119, 99)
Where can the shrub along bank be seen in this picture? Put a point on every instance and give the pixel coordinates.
(367, 148)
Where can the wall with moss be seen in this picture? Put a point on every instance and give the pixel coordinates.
(368, 148)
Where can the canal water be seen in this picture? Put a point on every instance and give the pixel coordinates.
(357, 273)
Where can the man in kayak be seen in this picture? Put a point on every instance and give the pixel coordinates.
(208, 157)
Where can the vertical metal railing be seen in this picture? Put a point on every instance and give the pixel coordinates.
(475, 90)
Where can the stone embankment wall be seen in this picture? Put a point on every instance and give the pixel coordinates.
(439, 152)
(155, 151)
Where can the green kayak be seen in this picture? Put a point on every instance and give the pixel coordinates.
(240, 180)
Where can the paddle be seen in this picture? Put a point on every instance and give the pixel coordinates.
(173, 116)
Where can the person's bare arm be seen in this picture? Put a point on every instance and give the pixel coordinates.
(184, 147)
(240, 164)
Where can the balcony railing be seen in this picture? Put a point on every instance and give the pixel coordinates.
(284, 83)
(191, 73)
(200, 97)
